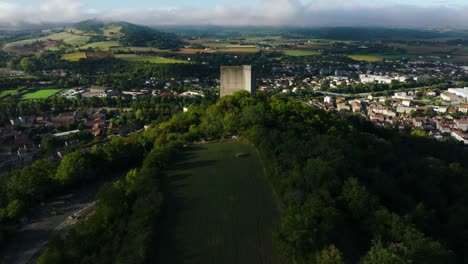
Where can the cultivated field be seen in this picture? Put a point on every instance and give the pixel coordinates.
(369, 58)
(40, 94)
(220, 208)
(74, 56)
(69, 38)
(113, 32)
(103, 45)
(152, 59)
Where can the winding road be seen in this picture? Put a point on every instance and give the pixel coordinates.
(49, 220)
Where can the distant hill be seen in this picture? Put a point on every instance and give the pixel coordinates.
(94, 34)
(141, 36)
(131, 35)
(90, 26)
(360, 34)
(333, 33)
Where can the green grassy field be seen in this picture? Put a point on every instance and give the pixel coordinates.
(369, 58)
(301, 52)
(40, 94)
(152, 59)
(72, 39)
(240, 49)
(103, 45)
(220, 208)
(74, 56)
(5, 93)
(113, 32)
(220, 44)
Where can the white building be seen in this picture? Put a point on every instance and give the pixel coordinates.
(328, 99)
(460, 136)
(192, 94)
(450, 97)
(462, 124)
(461, 92)
(368, 78)
(402, 96)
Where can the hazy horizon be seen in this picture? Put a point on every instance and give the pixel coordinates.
(315, 13)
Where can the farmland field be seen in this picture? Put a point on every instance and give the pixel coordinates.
(72, 39)
(240, 49)
(430, 49)
(301, 52)
(113, 32)
(152, 59)
(217, 44)
(220, 208)
(40, 94)
(103, 45)
(369, 58)
(74, 56)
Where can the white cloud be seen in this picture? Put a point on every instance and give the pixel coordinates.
(47, 11)
(263, 12)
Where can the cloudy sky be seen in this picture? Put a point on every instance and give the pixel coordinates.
(394, 13)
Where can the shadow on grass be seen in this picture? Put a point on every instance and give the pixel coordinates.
(170, 250)
(196, 164)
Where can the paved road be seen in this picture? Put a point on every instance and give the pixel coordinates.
(48, 221)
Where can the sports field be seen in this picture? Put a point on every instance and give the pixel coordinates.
(220, 208)
(40, 94)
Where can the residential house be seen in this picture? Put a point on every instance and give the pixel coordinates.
(460, 136)
(405, 109)
(431, 93)
(100, 122)
(343, 107)
(462, 124)
(418, 122)
(449, 97)
(65, 119)
(463, 108)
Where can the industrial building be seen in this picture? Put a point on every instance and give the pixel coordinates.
(461, 92)
(237, 78)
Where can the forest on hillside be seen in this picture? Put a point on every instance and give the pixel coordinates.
(350, 192)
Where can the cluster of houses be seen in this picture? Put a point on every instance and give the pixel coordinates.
(18, 146)
(105, 92)
(404, 111)
(11, 73)
(386, 72)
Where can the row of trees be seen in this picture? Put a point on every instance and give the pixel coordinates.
(151, 106)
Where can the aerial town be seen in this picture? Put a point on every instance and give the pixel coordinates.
(167, 141)
(437, 113)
